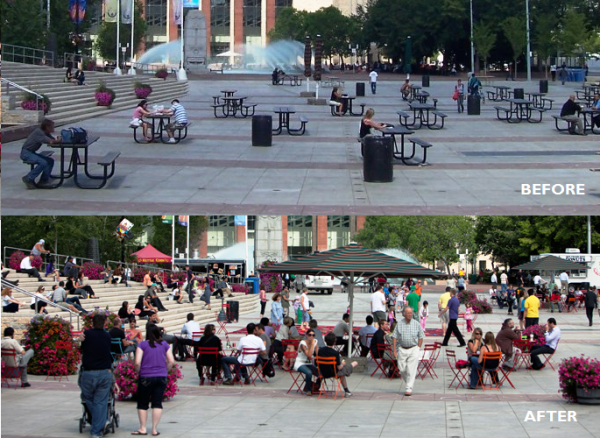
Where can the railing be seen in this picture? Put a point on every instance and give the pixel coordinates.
(39, 99)
(152, 68)
(57, 257)
(27, 55)
(44, 300)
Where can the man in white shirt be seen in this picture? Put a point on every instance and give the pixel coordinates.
(493, 292)
(190, 335)
(451, 283)
(538, 281)
(552, 336)
(22, 356)
(305, 308)
(365, 340)
(378, 306)
(26, 268)
(494, 280)
(240, 362)
(503, 282)
(564, 282)
(373, 78)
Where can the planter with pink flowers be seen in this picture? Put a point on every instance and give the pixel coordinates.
(142, 91)
(104, 95)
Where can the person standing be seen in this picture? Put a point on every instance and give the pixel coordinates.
(373, 79)
(285, 301)
(503, 282)
(188, 276)
(43, 164)
(494, 280)
(442, 303)
(305, 305)
(452, 309)
(22, 357)
(591, 303)
(459, 93)
(407, 341)
(532, 309)
(96, 375)
(378, 306)
(564, 282)
(412, 300)
(153, 360)
(263, 302)
(276, 311)
(553, 72)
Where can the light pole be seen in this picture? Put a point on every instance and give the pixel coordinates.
(472, 42)
(132, 68)
(117, 71)
(528, 42)
(181, 74)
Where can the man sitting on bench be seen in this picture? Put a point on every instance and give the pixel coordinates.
(44, 165)
(181, 119)
(568, 113)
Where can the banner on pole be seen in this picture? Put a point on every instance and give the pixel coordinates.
(167, 220)
(77, 10)
(178, 11)
(126, 11)
(111, 10)
(184, 221)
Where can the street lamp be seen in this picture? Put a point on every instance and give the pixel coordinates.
(472, 42)
(528, 41)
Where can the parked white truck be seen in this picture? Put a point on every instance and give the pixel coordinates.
(579, 277)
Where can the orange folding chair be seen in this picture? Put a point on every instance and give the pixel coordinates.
(295, 375)
(331, 385)
(10, 373)
(63, 350)
(207, 357)
(462, 374)
(487, 358)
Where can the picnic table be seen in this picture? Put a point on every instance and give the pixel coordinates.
(158, 128)
(520, 110)
(393, 131)
(228, 93)
(588, 125)
(347, 105)
(414, 90)
(421, 113)
(283, 113)
(78, 160)
(536, 98)
(332, 81)
(500, 94)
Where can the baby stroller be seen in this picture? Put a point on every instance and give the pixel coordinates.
(112, 418)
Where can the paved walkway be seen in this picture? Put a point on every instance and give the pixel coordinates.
(378, 408)
(477, 163)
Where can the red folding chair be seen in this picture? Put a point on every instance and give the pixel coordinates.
(286, 342)
(222, 324)
(295, 375)
(76, 334)
(506, 371)
(63, 350)
(524, 357)
(10, 373)
(329, 385)
(549, 356)
(487, 358)
(392, 365)
(255, 369)
(426, 362)
(462, 374)
(206, 370)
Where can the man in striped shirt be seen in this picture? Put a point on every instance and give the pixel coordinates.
(178, 111)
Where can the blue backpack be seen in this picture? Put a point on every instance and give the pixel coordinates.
(74, 135)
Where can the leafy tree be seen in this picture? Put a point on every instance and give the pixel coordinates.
(484, 39)
(22, 23)
(106, 41)
(290, 25)
(515, 32)
(161, 234)
(498, 236)
(544, 40)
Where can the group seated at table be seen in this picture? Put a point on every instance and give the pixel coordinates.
(180, 124)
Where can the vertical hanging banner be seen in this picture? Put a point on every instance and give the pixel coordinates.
(167, 220)
(318, 58)
(307, 57)
(111, 10)
(126, 11)
(184, 221)
(77, 10)
(178, 11)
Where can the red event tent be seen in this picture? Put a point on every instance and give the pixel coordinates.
(149, 254)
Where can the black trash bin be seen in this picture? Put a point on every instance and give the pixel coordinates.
(519, 93)
(378, 158)
(544, 86)
(262, 130)
(360, 89)
(425, 81)
(473, 105)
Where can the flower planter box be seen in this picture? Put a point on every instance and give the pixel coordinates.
(588, 398)
(142, 93)
(104, 99)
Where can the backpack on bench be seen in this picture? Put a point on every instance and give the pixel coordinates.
(74, 135)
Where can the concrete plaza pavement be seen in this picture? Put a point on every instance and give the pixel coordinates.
(377, 409)
(478, 163)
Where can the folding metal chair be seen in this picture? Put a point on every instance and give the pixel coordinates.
(524, 357)
(329, 384)
(425, 365)
(116, 342)
(63, 349)
(222, 324)
(549, 356)
(506, 371)
(392, 365)
(286, 342)
(295, 375)
(204, 353)
(487, 358)
(10, 373)
(255, 370)
(462, 374)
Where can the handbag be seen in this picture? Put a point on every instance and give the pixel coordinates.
(455, 95)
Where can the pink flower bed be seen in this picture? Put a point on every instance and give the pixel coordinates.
(270, 282)
(574, 372)
(104, 98)
(142, 93)
(14, 262)
(32, 105)
(92, 270)
(127, 380)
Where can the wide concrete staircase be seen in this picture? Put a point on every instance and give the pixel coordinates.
(71, 103)
(112, 297)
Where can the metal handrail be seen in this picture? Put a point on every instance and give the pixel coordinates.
(6, 283)
(27, 55)
(56, 257)
(19, 87)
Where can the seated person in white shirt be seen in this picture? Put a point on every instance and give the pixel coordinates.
(493, 293)
(241, 361)
(187, 337)
(26, 268)
(552, 337)
(365, 341)
(22, 356)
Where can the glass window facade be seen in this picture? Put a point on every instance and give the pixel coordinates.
(281, 4)
(220, 25)
(220, 233)
(300, 235)
(156, 19)
(338, 231)
(252, 19)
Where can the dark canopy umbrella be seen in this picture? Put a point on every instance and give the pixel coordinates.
(354, 263)
(550, 263)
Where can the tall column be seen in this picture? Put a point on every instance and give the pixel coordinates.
(360, 222)
(142, 46)
(321, 233)
(205, 7)
(284, 238)
(268, 20)
(240, 233)
(237, 23)
(203, 244)
(172, 32)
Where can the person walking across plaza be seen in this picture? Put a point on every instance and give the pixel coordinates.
(373, 79)
(407, 341)
(412, 300)
(96, 377)
(442, 303)
(459, 95)
(305, 306)
(532, 309)
(452, 309)
(378, 306)
(285, 301)
(591, 303)
(564, 282)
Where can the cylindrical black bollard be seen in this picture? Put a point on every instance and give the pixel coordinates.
(473, 106)
(262, 130)
(544, 86)
(519, 93)
(360, 89)
(378, 163)
(425, 81)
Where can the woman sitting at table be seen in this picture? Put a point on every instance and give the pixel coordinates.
(474, 345)
(336, 99)
(205, 361)
(367, 124)
(307, 351)
(139, 112)
(491, 365)
(406, 89)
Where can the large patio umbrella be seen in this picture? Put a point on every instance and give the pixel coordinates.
(149, 254)
(354, 263)
(551, 263)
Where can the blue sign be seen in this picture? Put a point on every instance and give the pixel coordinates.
(239, 220)
(191, 4)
